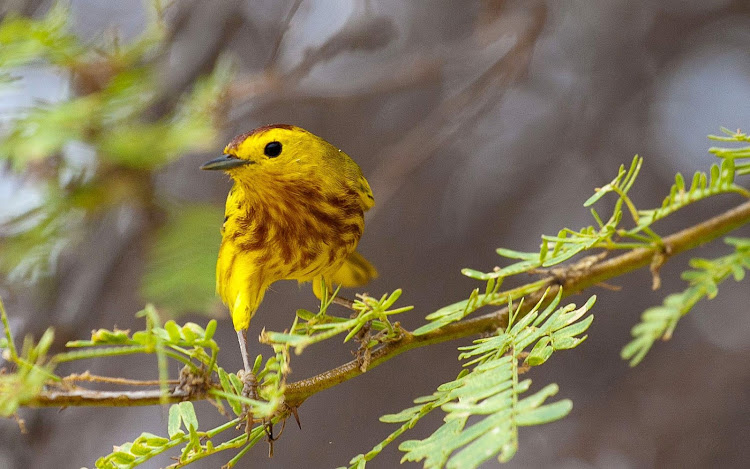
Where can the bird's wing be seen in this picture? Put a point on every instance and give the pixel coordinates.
(365, 193)
(355, 272)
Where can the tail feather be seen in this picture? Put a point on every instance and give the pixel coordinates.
(355, 272)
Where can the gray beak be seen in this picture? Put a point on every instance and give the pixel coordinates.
(225, 162)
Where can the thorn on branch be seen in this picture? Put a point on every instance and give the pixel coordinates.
(269, 435)
(293, 410)
(659, 259)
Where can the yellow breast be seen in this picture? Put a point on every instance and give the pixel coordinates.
(295, 231)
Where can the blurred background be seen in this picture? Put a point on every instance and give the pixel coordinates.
(479, 124)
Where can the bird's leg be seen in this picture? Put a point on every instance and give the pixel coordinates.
(250, 389)
(250, 383)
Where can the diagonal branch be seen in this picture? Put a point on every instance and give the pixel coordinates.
(573, 279)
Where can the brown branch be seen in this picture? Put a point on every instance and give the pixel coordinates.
(88, 377)
(91, 398)
(282, 32)
(573, 279)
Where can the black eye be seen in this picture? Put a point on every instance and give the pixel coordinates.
(273, 149)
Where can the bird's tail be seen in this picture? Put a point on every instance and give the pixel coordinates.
(355, 272)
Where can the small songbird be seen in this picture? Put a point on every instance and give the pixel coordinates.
(295, 212)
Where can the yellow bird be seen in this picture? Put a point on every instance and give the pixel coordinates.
(295, 212)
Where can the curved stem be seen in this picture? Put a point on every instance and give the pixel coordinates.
(572, 280)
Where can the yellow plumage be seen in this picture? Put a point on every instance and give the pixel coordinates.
(293, 215)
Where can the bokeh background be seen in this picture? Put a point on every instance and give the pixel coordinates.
(479, 124)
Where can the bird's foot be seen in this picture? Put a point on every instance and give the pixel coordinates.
(249, 390)
(247, 420)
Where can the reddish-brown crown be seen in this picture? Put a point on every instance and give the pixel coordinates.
(236, 141)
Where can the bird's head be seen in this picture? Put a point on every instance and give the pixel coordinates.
(278, 148)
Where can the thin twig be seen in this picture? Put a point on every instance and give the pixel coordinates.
(88, 377)
(91, 398)
(282, 32)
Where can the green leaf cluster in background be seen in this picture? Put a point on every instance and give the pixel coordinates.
(33, 368)
(98, 148)
(659, 322)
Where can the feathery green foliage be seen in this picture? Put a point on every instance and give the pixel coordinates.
(733, 153)
(492, 391)
(369, 313)
(33, 368)
(659, 322)
(183, 432)
(189, 344)
(492, 296)
(610, 235)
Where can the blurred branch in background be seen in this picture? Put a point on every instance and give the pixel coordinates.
(131, 107)
(89, 158)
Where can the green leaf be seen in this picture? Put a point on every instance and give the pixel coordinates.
(475, 274)
(540, 353)
(210, 330)
(173, 330)
(228, 386)
(595, 198)
(189, 333)
(187, 412)
(545, 414)
(236, 383)
(174, 422)
(511, 254)
(305, 314)
(403, 416)
(574, 329)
